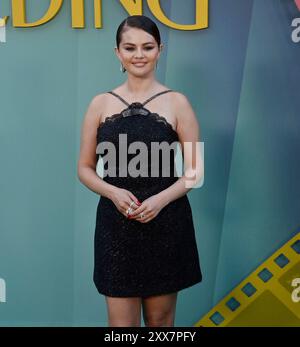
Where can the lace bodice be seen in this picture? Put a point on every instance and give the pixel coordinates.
(137, 108)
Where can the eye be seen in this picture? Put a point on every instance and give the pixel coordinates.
(129, 49)
(149, 48)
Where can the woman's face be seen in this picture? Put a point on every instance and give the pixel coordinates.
(138, 51)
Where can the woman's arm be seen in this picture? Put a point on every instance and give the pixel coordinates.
(86, 166)
(189, 138)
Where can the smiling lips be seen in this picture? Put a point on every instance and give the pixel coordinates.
(139, 64)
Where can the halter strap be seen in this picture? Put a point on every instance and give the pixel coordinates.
(144, 103)
(119, 97)
(154, 96)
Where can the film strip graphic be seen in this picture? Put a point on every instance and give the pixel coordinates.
(269, 296)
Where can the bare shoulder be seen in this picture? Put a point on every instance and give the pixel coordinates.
(96, 107)
(98, 100)
(188, 126)
(183, 109)
(180, 100)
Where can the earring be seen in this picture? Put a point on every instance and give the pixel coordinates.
(122, 68)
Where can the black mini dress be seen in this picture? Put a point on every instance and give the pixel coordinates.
(134, 259)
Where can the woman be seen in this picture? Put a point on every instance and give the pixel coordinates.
(145, 247)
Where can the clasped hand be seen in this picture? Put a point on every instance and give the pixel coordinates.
(149, 208)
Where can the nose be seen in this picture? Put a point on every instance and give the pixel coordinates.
(139, 53)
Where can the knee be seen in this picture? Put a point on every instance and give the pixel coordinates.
(119, 323)
(159, 320)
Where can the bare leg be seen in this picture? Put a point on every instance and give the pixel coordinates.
(123, 312)
(159, 311)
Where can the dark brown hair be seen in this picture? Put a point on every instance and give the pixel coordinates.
(140, 22)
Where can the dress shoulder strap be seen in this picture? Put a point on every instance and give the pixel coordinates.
(154, 96)
(119, 97)
(144, 103)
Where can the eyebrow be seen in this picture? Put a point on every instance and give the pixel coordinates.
(132, 44)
